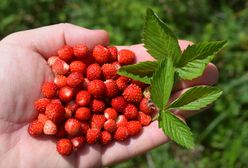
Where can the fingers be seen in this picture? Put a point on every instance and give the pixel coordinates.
(47, 40)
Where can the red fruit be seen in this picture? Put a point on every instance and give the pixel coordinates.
(61, 133)
(35, 128)
(85, 126)
(126, 57)
(60, 80)
(110, 113)
(64, 147)
(51, 60)
(40, 105)
(42, 118)
(111, 88)
(122, 82)
(73, 127)
(78, 66)
(60, 67)
(56, 101)
(121, 134)
(133, 94)
(101, 54)
(66, 94)
(109, 71)
(119, 103)
(121, 121)
(92, 135)
(66, 53)
(133, 128)
(83, 114)
(97, 121)
(113, 53)
(83, 98)
(71, 106)
(97, 88)
(49, 128)
(55, 112)
(49, 89)
(105, 138)
(68, 113)
(80, 51)
(75, 79)
(77, 142)
(140, 84)
(94, 72)
(146, 106)
(97, 106)
(144, 119)
(131, 112)
(110, 125)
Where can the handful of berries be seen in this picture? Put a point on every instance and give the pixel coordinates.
(88, 101)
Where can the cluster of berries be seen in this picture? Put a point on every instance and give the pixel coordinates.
(88, 101)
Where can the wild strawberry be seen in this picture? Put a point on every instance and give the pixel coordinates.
(72, 106)
(131, 112)
(110, 125)
(126, 57)
(66, 53)
(68, 113)
(64, 147)
(40, 105)
(55, 101)
(75, 79)
(110, 113)
(60, 81)
(119, 103)
(111, 88)
(140, 84)
(42, 118)
(122, 82)
(133, 128)
(121, 134)
(85, 84)
(49, 128)
(60, 67)
(144, 119)
(97, 121)
(66, 94)
(80, 51)
(83, 114)
(109, 71)
(113, 53)
(49, 89)
(77, 142)
(105, 138)
(97, 106)
(85, 126)
(78, 66)
(83, 98)
(92, 135)
(73, 127)
(55, 112)
(121, 121)
(101, 54)
(94, 72)
(133, 94)
(146, 106)
(51, 60)
(97, 88)
(61, 133)
(35, 128)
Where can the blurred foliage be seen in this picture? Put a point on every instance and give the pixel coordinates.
(222, 132)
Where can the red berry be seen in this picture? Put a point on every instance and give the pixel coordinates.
(68, 113)
(113, 53)
(119, 103)
(97, 88)
(40, 105)
(64, 147)
(83, 114)
(49, 128)
(83, 98)
(85, 126)
(73, 127)
(35, 128)
(121, 121)
(72, 106)
(109, 71)
(49, 89)
(75, 79)
(101, 54)
(78, 66)
(105, 138)
(80, 51)
(126, 57)
(122, 82)
(55, 112)
(94, 72)
(146, 106)
(133, 128)
(92, 135)
(61, 133)
(60, 67)
(97, 121)
(51, 60)
(131, 112)
(60, 80)
(110, 125)
(56, 101)
(77, 142)
(97, 106)
(42, 118)
(111, 88)
(66, 94)
(110, 113)
(133, 94)
(121, 134)
(144, 119)
(66, 53)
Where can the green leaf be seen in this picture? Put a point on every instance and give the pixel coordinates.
(162, 83)
(196, 98)
(158, 39)
(176, 129)
(194, 68)
(142, 71)
(200, 51)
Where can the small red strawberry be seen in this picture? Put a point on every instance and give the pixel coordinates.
(94, 72)
(109, 71)
(49, 89)
(131, 112)
(119, 103)
(97, 88)
(64, 147)
(80, 51)
(78, 142)
(66, 53)
(60, 67)
(97, 106)
(126, 57)
(122, 82)
(40, 104)
(144, 119)
(110, 125)
(78, 66)
(42, 118)
(110, 113)
(49, 128)
(85, 126)
(133, 94)
(55, 101)
(97, 121)
(146, 106)
(111, 88)
(105, 138)
(83, 114)
(92, 135)
(66, 94)
(121, 134)
(133, 128)
(55, 112)
(68, 113)
(101, 54)
(72, 106)
(73, 127)
(51, 60)
(113, 53)
(75, 79)
(83, 98)
(35, 128)
(60, 81)
(61, 133)
(121, 121)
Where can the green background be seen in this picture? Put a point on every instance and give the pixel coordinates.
(222, 133)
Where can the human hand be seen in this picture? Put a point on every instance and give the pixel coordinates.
(23, 69)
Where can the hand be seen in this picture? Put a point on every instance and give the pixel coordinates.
(23, 69)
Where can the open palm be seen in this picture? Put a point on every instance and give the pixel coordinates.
(23, 69)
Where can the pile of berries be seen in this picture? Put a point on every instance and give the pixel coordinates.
(88, 102)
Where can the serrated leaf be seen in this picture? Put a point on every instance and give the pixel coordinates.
(162, 83)
(200, 51)
(158, 39)
(142, 71)
(196, 98)
(193, 69)
(176, 129)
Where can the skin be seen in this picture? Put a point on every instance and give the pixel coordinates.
(24, 69)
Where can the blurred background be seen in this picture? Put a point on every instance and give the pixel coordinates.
(222, 132)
